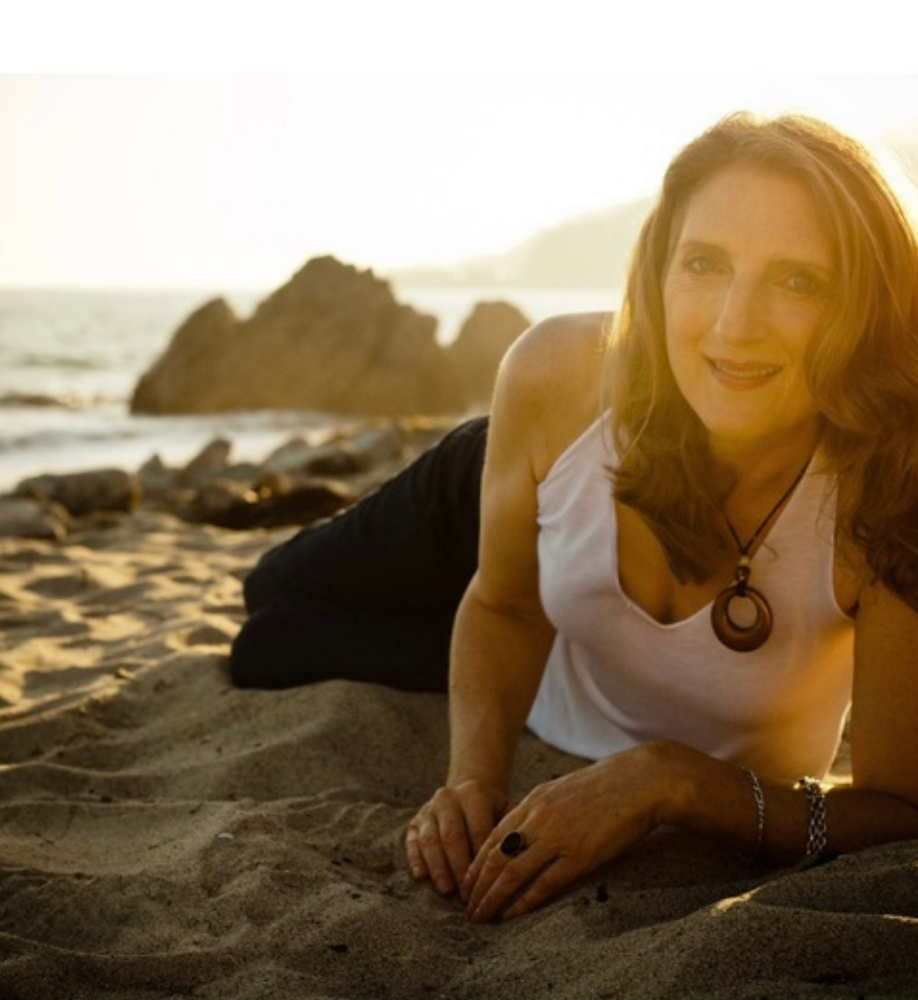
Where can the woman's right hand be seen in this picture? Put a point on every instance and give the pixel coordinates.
(449, 830)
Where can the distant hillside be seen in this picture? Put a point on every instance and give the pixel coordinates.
(588, 251)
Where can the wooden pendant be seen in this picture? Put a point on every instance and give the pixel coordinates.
(741, 638)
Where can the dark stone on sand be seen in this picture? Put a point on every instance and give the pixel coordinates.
(22, 517)
(211, 460)
(85, 492)
(229, 505)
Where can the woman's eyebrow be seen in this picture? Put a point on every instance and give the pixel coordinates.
(708, 246)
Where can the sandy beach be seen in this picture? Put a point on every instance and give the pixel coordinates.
(164, 835)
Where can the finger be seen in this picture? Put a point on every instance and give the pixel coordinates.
(443, 840)
(454, 842)
(502, 879)
(413, 855)
(473, 875)
(550, 882)
(512, 820)
(480, 822)
(433, 856)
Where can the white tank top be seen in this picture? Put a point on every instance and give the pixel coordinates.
(616, 677)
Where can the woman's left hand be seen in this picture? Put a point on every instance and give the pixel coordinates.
(570, 826)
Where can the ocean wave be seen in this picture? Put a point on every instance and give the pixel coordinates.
(62, 361)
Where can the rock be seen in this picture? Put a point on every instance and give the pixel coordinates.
(211, 460)
(85, 492)
(34, 399)
(210, 502)
(376, 446)
(332, 339)
(21, 517)
(155, 477)
(297, 457)
(191, 364)
(479, 346)
(227, 505)
(291, 456)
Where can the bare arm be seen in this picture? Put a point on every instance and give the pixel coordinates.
(501, 638)
(881, 802)
(582, 820)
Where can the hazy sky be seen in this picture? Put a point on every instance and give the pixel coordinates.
(223, 178)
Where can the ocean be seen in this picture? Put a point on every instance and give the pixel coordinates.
(69, 360)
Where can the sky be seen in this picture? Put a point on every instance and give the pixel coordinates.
(221, 146)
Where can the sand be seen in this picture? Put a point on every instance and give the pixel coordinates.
(164, 835)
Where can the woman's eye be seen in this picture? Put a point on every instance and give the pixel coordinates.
(803, 284)
(700, 264)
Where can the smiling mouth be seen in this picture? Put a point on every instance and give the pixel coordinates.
(743, 374)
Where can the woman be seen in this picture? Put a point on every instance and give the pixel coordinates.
(699, 539)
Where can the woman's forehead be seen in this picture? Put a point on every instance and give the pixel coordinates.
(744, 208)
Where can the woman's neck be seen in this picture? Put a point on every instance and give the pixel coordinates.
(762, 467)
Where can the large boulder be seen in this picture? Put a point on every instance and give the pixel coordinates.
(190, 377)
(332, 339)
(482, 341)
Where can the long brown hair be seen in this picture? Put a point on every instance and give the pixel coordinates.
(862, 366)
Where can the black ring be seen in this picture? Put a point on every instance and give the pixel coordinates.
(513, 844)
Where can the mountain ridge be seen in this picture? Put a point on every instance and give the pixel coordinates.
(590, 250)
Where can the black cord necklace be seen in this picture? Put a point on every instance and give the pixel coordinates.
(736, 636)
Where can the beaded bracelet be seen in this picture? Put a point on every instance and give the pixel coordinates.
(817, 833)
(759, 797)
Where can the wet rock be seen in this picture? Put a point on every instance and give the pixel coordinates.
(155, 477)
(292, 456)
(211, 460)
(230, 505)
(21, 517)
(376, 445)
(85, 492)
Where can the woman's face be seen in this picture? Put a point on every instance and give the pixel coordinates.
(747, 286)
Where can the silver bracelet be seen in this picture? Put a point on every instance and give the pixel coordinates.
(759, 797)
(817, 832)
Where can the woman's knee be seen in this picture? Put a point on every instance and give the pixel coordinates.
(291, 643)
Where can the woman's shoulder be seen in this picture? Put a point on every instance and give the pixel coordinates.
(566, 339)
(551, 380)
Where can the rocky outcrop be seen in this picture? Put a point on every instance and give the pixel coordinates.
(481, 343)
(191, 376)
(332, 339)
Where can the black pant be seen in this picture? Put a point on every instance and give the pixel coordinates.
(371, 594)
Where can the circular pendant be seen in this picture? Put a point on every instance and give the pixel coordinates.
(735, 635)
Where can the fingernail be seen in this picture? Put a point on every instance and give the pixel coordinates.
(443, 887)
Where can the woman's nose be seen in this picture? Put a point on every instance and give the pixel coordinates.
(739, 312)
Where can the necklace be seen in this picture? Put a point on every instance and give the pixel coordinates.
(734, 635)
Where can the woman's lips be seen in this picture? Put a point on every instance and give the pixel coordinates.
(747, 374)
